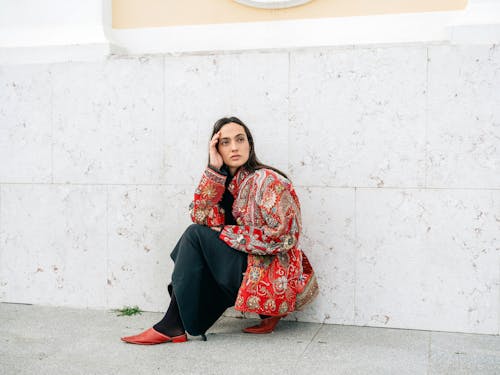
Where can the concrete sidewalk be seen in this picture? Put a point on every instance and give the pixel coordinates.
(52, 340)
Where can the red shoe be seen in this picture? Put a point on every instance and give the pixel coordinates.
(153, 337)
(265, 326)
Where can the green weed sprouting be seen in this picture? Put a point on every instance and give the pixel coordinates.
(128, 311)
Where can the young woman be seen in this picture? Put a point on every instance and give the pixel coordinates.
(242, 249)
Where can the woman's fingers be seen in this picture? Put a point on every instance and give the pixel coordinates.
(216, 136)
(213, 142)
(215, 157)
(215, 139)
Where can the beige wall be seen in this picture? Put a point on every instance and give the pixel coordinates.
(157, 13)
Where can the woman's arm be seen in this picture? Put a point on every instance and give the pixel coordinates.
(280, 209)
(204, 208)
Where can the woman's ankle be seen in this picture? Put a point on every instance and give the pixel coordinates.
(169, 331)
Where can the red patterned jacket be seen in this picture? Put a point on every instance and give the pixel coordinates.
(278, 278)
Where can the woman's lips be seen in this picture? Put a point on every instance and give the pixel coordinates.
(234, 157)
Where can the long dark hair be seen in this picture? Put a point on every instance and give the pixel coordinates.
(253, 163)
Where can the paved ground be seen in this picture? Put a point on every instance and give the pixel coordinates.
(50, 340)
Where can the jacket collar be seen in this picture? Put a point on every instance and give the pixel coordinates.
(239, 177)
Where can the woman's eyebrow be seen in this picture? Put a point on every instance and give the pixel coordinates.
(237, 135)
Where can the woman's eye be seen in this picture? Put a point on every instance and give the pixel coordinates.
(241, 140)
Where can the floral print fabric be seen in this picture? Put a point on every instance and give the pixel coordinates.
(267, 212)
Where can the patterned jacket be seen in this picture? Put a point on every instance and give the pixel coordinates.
(279, 279)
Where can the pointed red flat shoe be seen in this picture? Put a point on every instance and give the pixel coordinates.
(153, 337)
(265, 326)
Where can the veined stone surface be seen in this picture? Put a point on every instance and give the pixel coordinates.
(464, 117)
(53, 244)
(393, 151)
(428, 259)
(144, 223)
(357, 116)
(251, 86)
(25, 123)
(108, 121)
(331, 247)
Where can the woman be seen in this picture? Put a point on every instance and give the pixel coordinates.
(242, 249)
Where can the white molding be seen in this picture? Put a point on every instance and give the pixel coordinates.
(393, 28)
(53, 35)
(32, 31)
(55, 53)
(55, 30)
(272, 4)
(479, 23)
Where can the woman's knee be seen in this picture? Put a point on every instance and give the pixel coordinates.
(194, 234)
(194, 229)
(189, 244)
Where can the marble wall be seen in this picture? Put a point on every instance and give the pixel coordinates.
(394, 150)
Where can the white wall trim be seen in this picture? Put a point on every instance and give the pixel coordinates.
(73, 30)
(56, 53)
(479, 23)
(394, 28)
(35, 31)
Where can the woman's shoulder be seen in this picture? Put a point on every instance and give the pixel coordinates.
(266, 175)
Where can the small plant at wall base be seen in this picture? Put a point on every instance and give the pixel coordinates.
(128, 311)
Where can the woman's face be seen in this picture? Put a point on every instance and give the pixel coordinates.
(233, 146)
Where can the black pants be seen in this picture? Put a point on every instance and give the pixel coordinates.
(206, 278)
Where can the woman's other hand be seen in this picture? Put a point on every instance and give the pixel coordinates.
(215, 157)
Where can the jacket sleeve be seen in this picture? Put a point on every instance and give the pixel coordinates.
(279, 207)
(204, 208)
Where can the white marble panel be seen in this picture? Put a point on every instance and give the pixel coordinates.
(53, 242)
(3, 278)
(25, 123)
(357, 116)
(201, 89)
(464, 116)
(144, 224)
(108, 121)
(429, 259)
(328, 239)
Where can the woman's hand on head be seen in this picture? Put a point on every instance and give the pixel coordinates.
(215, 158)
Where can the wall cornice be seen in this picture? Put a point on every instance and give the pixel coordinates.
(75, 30)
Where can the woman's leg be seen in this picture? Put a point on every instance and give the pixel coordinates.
(205, 282)
(206, 277)
(171, 324)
